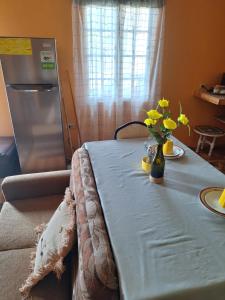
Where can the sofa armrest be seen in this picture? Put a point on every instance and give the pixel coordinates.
(35, 185)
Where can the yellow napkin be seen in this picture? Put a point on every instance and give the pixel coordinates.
(222, 199)
(168, 147)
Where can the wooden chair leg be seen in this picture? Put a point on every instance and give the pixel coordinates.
(199, 143)
(203, 142)
(212, 146)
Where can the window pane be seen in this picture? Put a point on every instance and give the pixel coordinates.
(92, 17)
(109, 18)
(126, 89)
(139, 67)
(142, 19)
(141, 43)
(94, 67)
(108, 42)
(139, 88)
(108, 88)
(127, 43)
(127, 67)
(93, 38)
(108, 67)
(94, 88)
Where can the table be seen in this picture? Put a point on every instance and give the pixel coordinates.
(165, 243)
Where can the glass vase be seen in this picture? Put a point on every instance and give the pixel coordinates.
(158, 165)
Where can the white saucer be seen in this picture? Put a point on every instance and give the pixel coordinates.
(210, 197)
(177, 153)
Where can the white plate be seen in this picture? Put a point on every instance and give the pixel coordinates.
(177, 152)
(210, 197)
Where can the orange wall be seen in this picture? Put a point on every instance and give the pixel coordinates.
(194, 53)
(194, 50)
(44, 18)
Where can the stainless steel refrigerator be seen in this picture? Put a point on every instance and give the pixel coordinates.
(31, 78)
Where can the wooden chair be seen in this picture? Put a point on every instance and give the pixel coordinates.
(205, 134)
(134, 129)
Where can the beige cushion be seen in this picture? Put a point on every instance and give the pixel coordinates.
(19, 218)
(15, 268)
(54, 244)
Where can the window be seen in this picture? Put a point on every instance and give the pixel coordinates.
(119, 49)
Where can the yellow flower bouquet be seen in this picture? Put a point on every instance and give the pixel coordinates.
(161, 125)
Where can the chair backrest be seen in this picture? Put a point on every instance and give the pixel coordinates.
(134, 129)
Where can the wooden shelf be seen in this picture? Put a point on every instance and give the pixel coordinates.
(214, 99)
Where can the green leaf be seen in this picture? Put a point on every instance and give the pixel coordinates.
(166, 115)
(162, 128)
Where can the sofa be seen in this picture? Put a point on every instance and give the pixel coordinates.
(31, 200)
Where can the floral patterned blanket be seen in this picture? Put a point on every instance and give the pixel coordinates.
(96, 276)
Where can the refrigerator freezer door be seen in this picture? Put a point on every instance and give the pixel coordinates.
(36, 118)
(37, 66)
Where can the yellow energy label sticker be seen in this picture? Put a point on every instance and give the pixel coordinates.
(15, 46)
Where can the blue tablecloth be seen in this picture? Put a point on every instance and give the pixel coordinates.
(166, 244)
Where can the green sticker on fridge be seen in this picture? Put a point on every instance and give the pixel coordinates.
(48, 66)
(47, 60)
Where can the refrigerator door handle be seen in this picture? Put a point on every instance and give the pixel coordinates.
(32, 89)
(36, 90)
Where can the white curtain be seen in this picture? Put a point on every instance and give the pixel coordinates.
(117, 59)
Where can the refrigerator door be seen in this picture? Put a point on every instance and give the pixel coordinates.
(37, 64)
(36, 118)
